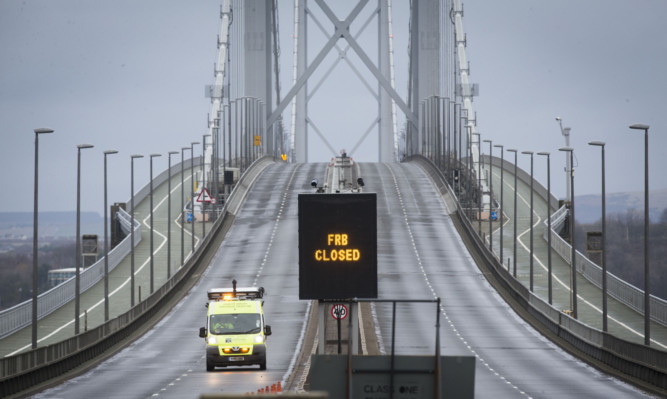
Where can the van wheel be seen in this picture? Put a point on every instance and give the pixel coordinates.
(209, 367)
(262, 365)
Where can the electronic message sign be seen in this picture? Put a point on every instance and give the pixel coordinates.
(337, 246)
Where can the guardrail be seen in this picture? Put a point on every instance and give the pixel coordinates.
(20, 316)
(644, 365)
(25, 370)
(617, 288)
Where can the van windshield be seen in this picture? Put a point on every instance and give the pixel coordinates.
(241, 323)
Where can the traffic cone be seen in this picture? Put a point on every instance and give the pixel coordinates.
(267, 390)
(280, 388)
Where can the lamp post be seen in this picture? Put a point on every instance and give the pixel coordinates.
(479, 187)
(647, 295)
(515, 216)
(77, 292)
(132, 158)
(548, 220)
(502, 199)
(573, 272)
(601, 144)
(35, 283)
(183, 149)
(192, 197)
(106, 239)
(151, 213)
(490, 194)
(203, 185)
(531, 216)
(565, 131)
(169, 154)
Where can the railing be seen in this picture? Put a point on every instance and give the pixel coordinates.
(646, 365)
(27, 369)
(20, 316)
(617, 288)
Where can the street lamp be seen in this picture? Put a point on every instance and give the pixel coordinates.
(515, 215)
(548, 219)
(151, 213)
(192, 198)
(565, 131)
(531, 216)
(77, 293)
(35, 285)
(183, 149)
(647, 295)
(132, 158)
(502, 199)
(490, 194)
(573, 272)
(601, 144)
(106, 239)
(479, 188)
(170, 153)
(203, 185)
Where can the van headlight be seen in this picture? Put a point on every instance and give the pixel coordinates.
(259, 339)
(212, 340)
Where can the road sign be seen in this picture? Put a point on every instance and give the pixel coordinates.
(337, 246)
(494, 215)
(258, 140)
(284, 157)
(204, 196)
(339, 311)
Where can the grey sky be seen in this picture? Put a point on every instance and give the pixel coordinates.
(130, 76)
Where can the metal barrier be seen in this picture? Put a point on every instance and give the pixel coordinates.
(645, 365)
(25, 370)
(617, 288)
(20, 316)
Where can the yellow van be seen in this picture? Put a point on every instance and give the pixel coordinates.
(235, 329)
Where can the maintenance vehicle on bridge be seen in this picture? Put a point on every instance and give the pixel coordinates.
(235, 329)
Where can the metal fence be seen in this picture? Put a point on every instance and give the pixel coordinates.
(636, 361)
(617, 288)
(20, 316)
(22, 371)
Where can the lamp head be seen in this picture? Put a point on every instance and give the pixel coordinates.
(40, 130)
(597, 143)
(82, 146)
(107, 152)
(639, 126)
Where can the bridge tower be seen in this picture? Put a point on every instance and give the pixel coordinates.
(381, 69)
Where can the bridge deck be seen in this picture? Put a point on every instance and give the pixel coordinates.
(59, 325)
(622, 321)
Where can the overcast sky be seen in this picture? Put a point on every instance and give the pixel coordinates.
(130, 75)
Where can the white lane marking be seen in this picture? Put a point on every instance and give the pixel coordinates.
(566, 285)
(428, 283)
(100, 302)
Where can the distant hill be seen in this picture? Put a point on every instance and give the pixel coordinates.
(51, 224)
(588, 207)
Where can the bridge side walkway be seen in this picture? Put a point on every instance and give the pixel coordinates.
(59, 325)
(623, 321)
